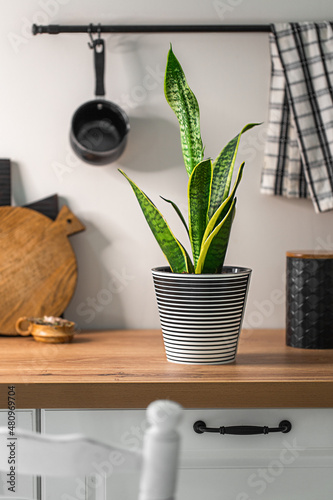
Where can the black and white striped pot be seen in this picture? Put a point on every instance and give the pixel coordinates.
(201, 314)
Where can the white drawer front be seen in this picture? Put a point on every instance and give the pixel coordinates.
(25, 485)
(255, 484)
(310, 440)
(298, 464)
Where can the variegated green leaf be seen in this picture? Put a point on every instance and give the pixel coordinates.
(189, 263)
(222, 171)
(221, 212)
(198, 199)
(185, 105)
(175, 253)
(213, 250)
(178, 212)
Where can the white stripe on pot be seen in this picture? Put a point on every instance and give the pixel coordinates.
(186, 344)
(206, 318)
(200, 335)
(203, 358)
(202, 346)
(202, 326)
(207, 336)
(223, 325)
(208, 292)
(228, 306)
(192, 299)
(183, 353)
(185, 287)
(197, 337)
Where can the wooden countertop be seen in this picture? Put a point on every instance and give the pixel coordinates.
(128, 369)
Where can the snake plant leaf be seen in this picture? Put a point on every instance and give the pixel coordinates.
(213, 251)
(185, 106)
(222, 171)
(223, 209)
(174, 252)
(198, 200)
(189, 263)
(178, 212)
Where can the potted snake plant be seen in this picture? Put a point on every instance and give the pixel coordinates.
(201, 302)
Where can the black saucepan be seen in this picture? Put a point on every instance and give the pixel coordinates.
(99, 127)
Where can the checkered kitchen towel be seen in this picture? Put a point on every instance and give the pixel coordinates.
(299, 147)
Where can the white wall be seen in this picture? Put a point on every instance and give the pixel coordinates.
(45, 78)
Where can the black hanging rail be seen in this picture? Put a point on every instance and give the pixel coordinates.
(55, 29)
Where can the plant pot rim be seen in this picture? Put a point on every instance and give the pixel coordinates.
(226, 271)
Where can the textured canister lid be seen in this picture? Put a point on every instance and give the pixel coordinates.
(310, 254)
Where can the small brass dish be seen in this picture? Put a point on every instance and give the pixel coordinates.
(49, 329)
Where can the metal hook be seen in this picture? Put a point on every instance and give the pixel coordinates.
(92, 43)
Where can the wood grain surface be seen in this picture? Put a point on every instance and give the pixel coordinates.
(38, 269)
(128, 369)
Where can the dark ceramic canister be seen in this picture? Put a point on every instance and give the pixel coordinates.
(309, 299)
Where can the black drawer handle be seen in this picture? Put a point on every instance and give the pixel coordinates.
(242, 430)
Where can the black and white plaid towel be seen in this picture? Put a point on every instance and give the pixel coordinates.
(299, 147)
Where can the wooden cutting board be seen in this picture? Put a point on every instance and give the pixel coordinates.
(38, 269)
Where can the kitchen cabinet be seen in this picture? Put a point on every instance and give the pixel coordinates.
(100, 385)
(297, 465)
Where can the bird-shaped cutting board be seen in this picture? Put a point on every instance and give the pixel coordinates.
(38, 269)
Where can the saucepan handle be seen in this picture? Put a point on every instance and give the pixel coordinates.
(99, 59)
